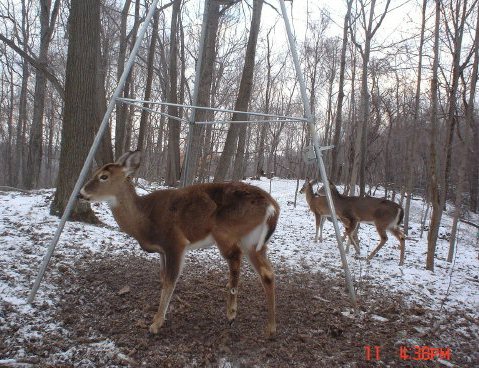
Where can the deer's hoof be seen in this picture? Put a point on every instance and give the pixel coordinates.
(271, 332)
(154, 329)
(231, 315)
(155, 326)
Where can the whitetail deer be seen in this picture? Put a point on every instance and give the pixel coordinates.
(318, 205)
(238, 217)
(386, 215)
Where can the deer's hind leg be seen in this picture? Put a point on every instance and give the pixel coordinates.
(384, 238)
(401, 237)
(350, 226)
(233, 255)
(263, 267)
(319, 227)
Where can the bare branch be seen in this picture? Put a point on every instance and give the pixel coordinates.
(33, 62)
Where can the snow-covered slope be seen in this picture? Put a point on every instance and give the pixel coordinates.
(26, 228)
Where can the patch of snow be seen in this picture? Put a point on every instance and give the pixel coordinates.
(26, 229)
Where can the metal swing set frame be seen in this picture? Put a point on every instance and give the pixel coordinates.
(262, 118)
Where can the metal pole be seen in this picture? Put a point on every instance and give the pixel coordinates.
(86, 166)
(322, 170)
(192, 117)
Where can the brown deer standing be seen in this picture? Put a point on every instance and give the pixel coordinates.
(238, 217)
(318, 205)
(386, 215)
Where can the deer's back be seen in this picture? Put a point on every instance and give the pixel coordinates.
(199, 210)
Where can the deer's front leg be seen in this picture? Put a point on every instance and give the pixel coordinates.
(170, 274)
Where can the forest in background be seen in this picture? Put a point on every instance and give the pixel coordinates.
(401, 114)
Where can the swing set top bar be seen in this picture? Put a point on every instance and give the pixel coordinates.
(133, 101)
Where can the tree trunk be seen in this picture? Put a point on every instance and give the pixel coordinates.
(469, 121)
(22, 118)
(173, 161)
(359, 166)
(243, 99)
(458, 29)
(121, 107)
(433, 170)
(35, 151)
(339, 107)
(412, 150)
(104, 153)
(9, 154)
(79, 120)
(474, 168)
(123, 128)
(149, 82)
(204, 89)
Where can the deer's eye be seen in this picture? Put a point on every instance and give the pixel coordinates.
(103, 177)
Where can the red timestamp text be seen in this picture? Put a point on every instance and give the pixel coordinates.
(424, 353)
(418, 353)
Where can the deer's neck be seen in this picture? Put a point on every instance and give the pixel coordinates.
(129, 213)
(309, 194)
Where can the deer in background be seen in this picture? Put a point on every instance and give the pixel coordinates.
(239, 218)
(386, 215)
(318, 205)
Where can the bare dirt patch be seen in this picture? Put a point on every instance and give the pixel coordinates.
(117, 298)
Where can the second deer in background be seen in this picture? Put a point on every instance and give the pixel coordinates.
(318, 205)
(386, 215)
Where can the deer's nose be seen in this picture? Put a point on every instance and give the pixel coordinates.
(82, 195)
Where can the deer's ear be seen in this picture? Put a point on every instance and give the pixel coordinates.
(121, 160)
(130, 162)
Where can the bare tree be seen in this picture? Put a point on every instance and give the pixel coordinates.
(370, 29)
(465, 146)
(339, 104)
(79, 120)
(243, 99)
(433, 169)
(412, 149)
(455, 32)
(173, 160)
(239, 163)
(35, 151)
(149, 82)
(204, 87)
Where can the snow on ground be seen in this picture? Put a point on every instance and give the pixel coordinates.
(26, 229)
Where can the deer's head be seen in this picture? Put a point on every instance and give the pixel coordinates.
(109, 181)
(307, 183)
(332, 188)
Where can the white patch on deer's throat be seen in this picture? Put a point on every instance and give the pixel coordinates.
(110, 200)
(203, 243)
